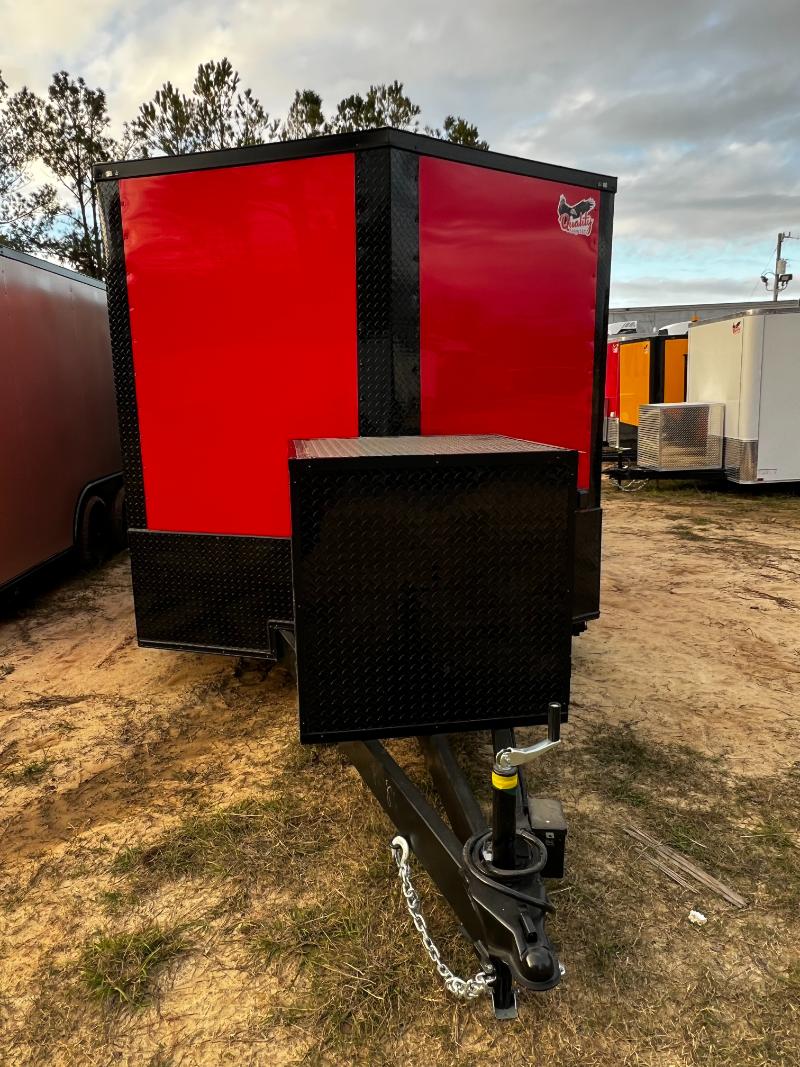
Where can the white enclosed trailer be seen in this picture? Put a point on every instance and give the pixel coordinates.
(751, 363)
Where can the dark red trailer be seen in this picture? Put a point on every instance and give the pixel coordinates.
(60, 476)
(376, 284)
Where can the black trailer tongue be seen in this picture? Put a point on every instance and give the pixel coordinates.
(502, 907)
(411, 557)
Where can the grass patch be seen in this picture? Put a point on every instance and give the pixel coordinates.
(349, 981)
(161, 1059)
(623, 751)
(357, 974)
(251, 838)
(744, 831)
(121, 968)
(48, 702)
(34, 770)
(608, 951)
(685, 532)
(30, 772)
(114, 901)
(305, 932)
(625, 791)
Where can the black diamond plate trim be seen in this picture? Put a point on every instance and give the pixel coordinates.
(210, 592)
(387, 285)
(122, 351)
(405, 290)
(373, 292)
(588, 535)
(602, 292)
(430, 594)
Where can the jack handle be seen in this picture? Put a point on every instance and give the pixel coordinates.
(516, 757)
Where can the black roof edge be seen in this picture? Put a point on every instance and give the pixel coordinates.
(54, 268)
(362, 140)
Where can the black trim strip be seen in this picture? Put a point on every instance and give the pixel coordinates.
(10, 583)
(602, 294)
(360, 141)
(122, 353)
(270, 654)
(387, 286)
(686, 371)
(656, 370)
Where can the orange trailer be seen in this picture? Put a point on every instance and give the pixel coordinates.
(652, 370)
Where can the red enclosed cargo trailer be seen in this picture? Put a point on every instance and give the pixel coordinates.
(377, 283)
(376, 321)
(60, 478)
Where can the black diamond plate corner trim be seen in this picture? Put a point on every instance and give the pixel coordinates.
(211, 592)
(405, 290)
(373, 292)
(602, 295)
(122, 351)
(387, 286)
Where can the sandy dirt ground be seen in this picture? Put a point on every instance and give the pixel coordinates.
(106, 747)
(699, 638)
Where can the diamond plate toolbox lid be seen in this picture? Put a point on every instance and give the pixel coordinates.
(432, 583)
(433, 446)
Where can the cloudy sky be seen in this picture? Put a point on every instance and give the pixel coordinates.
(694, 104)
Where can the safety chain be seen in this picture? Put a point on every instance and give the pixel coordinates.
(465, 988)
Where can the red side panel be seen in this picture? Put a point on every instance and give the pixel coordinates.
(241, 285)
(612, 379)
(507, 319)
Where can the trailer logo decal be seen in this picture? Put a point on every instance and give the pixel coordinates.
(576, 218)
(737, 326)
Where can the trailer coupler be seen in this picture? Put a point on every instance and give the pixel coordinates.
(501, 909)
(513, 906)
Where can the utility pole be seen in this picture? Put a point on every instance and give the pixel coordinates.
(780, 279)
(780, 265)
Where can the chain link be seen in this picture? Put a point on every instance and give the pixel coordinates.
(465, 988)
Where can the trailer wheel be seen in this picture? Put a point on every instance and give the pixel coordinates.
(119, 521)
(93, 532)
